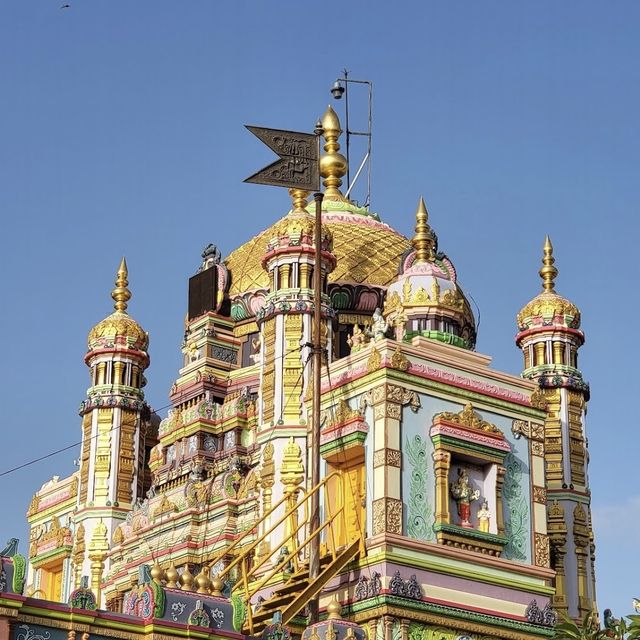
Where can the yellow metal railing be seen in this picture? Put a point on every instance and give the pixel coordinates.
(256, 571)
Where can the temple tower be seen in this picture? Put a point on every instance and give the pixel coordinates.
(549, 335)
(286, 321)
(117, 433)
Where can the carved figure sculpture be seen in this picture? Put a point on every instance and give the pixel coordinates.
(464, 494)
(357, 339)
(379, 325)
(484, 517)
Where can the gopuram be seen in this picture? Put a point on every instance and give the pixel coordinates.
(454, 498)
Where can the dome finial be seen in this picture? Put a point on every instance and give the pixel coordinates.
(333, 165)
(121, 293)
(423, 240)
(548, 272)
(299, 200)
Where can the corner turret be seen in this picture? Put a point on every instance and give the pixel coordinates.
(549, 335)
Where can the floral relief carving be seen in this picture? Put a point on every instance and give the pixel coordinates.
(541, 548)
(419, 517)
(540, 495)
(517, 518)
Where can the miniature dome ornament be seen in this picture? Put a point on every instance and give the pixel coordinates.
(548, 308)
(549, 333)
(425, 299)
(334, 627)
(119, 327)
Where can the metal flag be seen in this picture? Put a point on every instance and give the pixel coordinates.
(297, 167)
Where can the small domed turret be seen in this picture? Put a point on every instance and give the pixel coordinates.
(548, 308)
(549, 333)
(119, 327)
(426, 299)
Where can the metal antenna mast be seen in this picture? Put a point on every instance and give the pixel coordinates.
(340, 88)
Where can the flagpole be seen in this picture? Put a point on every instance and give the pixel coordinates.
(314, 522)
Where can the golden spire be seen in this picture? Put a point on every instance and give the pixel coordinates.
(548, 272)
(121, 293)
(333, 165)
(423, 240)
(299, 200)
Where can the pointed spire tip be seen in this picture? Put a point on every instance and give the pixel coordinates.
(121, 294)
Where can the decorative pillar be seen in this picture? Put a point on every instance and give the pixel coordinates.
(388, 627)
(581, 541)
(78, 555)
(98, 548)
(404, 629)
(442, 463)
(291, 476)
(387, 401)
(558, 538)
(499, 506)
(267, 480)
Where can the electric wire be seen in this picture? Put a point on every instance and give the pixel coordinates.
(51, 454)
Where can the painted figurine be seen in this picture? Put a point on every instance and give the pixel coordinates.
(379, 325)
(464, 495)
(357, 339)
(484, 517)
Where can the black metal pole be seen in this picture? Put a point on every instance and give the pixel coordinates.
(314, 521)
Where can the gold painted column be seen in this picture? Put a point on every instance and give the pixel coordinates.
(98, 548)
(291, 476)
(292, 369)
(267, 480)
(78, 555)
(581, 541)
(441, 465)
(558, 540)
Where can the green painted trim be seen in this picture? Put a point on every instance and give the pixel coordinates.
(494, 455)
(571, 497)
(473, 534)
(356, 437)
(64, 551)
(464, 570)
(440, 336)
(454, 612)
(10, 603)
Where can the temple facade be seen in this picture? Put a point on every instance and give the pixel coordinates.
(454, 497)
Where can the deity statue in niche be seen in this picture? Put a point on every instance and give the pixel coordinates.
(357, 339)
(379, 325)
(484, 517)
(464, 494)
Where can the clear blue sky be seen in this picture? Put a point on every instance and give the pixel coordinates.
(121, 133)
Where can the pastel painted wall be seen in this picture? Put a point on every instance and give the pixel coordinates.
(418, 480)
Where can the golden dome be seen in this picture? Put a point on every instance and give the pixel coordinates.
(367, 251)
(119, 324)
(548, 308)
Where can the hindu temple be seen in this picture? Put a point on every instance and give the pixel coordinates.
(454, 498)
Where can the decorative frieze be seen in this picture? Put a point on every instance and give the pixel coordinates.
(387, 516)
(388, 457)
(540, 495)
(541, 549)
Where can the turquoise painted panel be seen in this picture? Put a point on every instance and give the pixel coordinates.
(418, 481)
(516, 492)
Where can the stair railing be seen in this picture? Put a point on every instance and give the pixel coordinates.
(254, 576)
